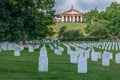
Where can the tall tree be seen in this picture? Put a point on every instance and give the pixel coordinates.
(25, 18)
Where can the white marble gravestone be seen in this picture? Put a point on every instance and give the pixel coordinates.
(110, 54)
(43, 51)
(16, 50)
(69, 51)
(36, 46)
(106, 59)
(73, 57)
(99, 55)
(117, 58)
(11, 46)
(4, 46)
(61, 48)
(55, 51)
(82, 65)
(94, 56)
(21, 47)
(30, 48)
(58, 52)
(80, 53)
(43, 64)
(86, 52)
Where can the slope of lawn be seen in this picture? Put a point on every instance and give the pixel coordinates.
(70, 26)
(25, 67)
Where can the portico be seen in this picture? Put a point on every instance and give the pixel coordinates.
(72, 15)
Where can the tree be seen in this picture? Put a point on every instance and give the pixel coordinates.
(21, 18)
(107, 21)
(99, 30)
(62, 31)
(73, 34)
(92, 16)
(112, 15)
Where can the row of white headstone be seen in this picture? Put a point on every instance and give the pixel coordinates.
(77, 57)
(58, 50)
(101, 45)
(17, 47)
(81, 53)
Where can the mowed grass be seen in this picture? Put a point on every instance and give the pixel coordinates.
(70, 26)
(25, 67)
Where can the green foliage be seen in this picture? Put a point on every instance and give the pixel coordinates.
(20, 18)
(61, 32)
(92, 16)
(106, 22)
(99, 30)
(69, 34)
(72, 34)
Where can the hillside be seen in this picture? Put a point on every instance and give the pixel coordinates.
(70, 26)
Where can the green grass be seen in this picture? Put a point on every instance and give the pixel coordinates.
(25, 67)
(70, 26)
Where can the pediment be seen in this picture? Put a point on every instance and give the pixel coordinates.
(73, 12)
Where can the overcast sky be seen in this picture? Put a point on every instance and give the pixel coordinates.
(82, 5)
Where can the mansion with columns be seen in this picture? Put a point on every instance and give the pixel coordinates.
(71, 15)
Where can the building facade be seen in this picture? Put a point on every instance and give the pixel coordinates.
(71, 15)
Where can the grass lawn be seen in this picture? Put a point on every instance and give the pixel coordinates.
(25, 67)
(70, 26)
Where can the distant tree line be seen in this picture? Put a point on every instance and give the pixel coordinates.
(105, 24)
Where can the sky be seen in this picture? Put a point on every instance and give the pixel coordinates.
(82, 5)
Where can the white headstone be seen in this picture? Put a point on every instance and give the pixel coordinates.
(58, 52)
(21, 47)
(117, 58)
(36, 46)
(87, 54)
(99, 55)
(11, 46)
(94, 56)
(69, 51)
(82, 65)
(73, 57)
(43, 64)
(106, 59)
(61, 48)
(30, 48)
(16, 50)
(110, 54)
(4, 46)
(43, 51)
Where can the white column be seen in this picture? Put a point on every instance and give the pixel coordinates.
(81, 19)
(62, 18)
(70, 18)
